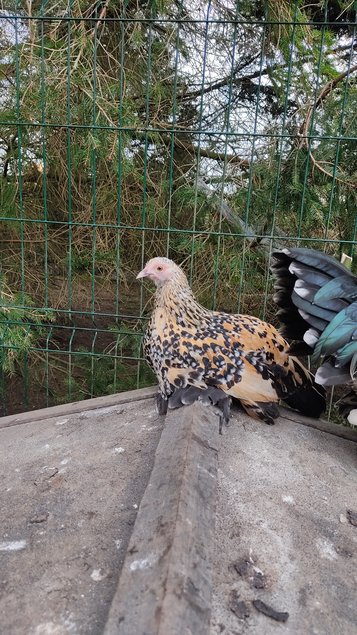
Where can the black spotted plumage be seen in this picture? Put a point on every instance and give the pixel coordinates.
(243, 357)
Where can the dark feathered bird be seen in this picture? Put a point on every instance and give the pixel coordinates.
(211, 355)
(317, 299)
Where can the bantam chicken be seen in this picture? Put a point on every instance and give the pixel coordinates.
(213, 356)
(317, 300)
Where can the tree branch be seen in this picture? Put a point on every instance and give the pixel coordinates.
(327, 89)
(229, 78)
(304, 128)
(9, 149)
(192, 149)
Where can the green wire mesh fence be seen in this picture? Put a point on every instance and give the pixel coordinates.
(210, 132)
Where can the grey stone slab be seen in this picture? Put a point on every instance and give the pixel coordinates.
(345, 432)
(78, 406)
(283, 535)
(166, 581)
(72, 479)
(70, 488)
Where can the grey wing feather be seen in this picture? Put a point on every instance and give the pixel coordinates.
(314, 292)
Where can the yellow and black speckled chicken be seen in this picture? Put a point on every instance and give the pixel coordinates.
(213, 356)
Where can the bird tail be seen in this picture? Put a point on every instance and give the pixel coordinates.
(307, 397)
(293, 326)
(316, 296)
(311, 287)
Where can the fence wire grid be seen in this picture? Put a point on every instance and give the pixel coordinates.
(209, 132)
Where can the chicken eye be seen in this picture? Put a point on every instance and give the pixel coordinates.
(159, 268)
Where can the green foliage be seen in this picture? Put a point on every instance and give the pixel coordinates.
(8, 199)
(83, 261)
(94, 377)
(121, 122)
(20, 328)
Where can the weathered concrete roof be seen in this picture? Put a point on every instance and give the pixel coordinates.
(72, 479)
(113, 523)
(283, 534)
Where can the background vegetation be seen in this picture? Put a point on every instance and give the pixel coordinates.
(206, 131)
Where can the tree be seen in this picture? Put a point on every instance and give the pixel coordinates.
(213, 124)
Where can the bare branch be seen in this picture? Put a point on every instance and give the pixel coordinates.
(192, 149)
(304, 128)
(327, 89)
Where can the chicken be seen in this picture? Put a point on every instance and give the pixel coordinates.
(317, 297)
(214, 356)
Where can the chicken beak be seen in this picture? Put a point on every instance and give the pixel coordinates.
(142, 274)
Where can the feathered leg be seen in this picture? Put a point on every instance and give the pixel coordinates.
(207, 396)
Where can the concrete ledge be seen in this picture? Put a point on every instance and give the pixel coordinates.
(147, 393)
(344, 432)
(166, 581)
(78, 406)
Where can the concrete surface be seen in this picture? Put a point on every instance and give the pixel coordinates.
(110, 525)
(283, 534)
(70, 490)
